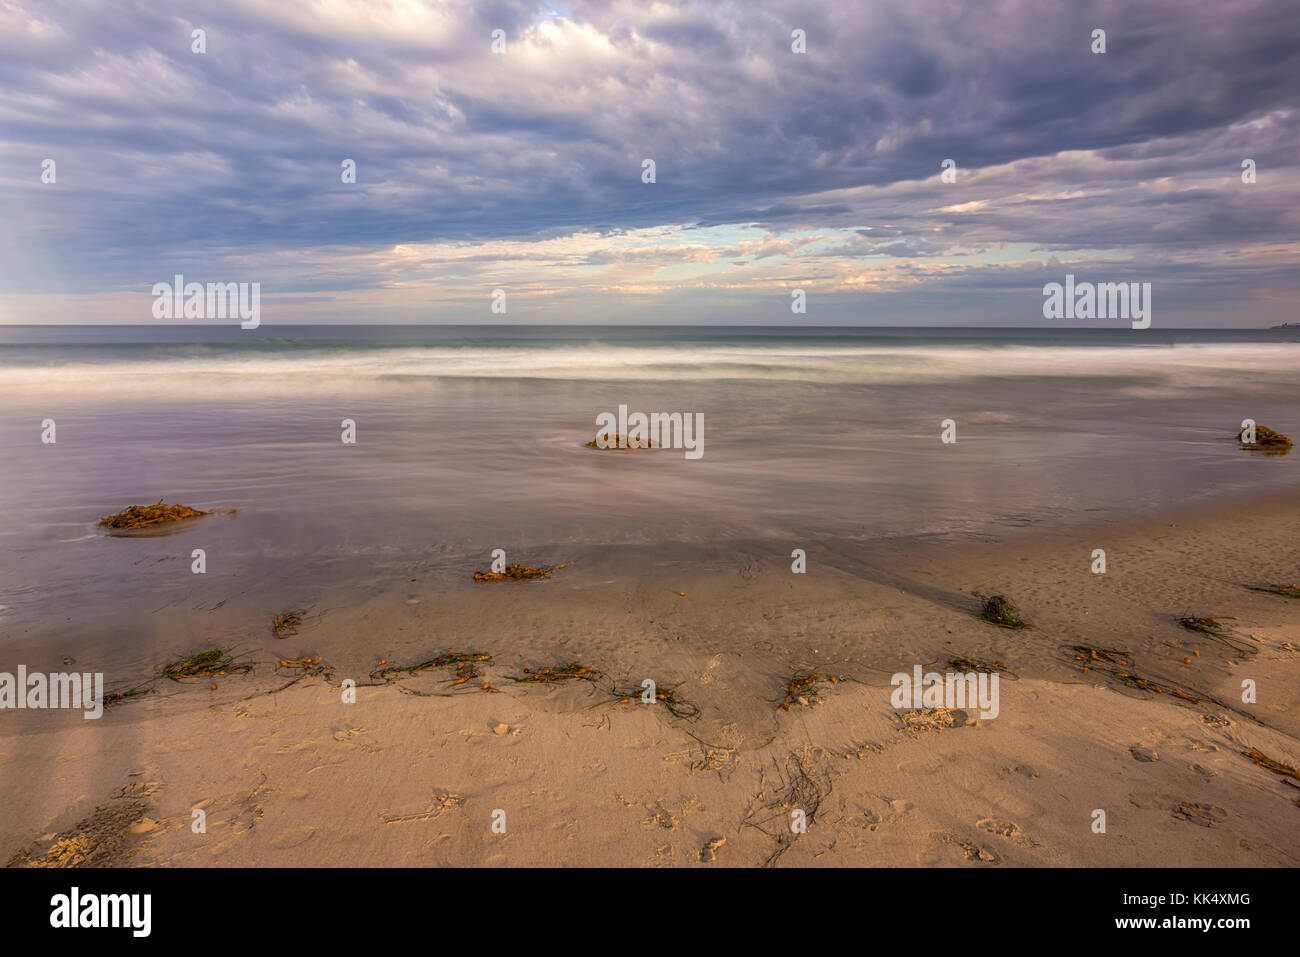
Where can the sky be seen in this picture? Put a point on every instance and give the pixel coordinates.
(521, 168)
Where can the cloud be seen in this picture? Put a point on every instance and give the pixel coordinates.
(523, 170)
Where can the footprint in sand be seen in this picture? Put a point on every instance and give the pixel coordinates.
(872, 821)
(1006, 829)
(346, 735)
(1024, 770)
(1206, 815)
(1150, 800)
(949, 848)
(661, 817)
(293, 837)
(709, 852)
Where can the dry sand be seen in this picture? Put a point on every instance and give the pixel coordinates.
(412, 773)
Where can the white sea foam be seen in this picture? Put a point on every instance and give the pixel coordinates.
(214, 370)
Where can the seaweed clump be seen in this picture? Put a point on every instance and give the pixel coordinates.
(1286, 591)
(1289, 774)
(117, 697)
(664, 694)
(466, 670)
(461, 660)
(620, 442)
(142, 516)
(1000, 611)
(975, 664)
(1266, 440)
(797, 785)
(1206, 626)
(1215, 629)
(558, 673)
(1146, 684)
(1088, 655)
(518, 572)
(309, 666)
(800, 688)
(205, 664)
(287, 624)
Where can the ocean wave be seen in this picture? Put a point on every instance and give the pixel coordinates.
(281, 366)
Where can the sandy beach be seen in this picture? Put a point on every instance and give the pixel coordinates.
(418, 769)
